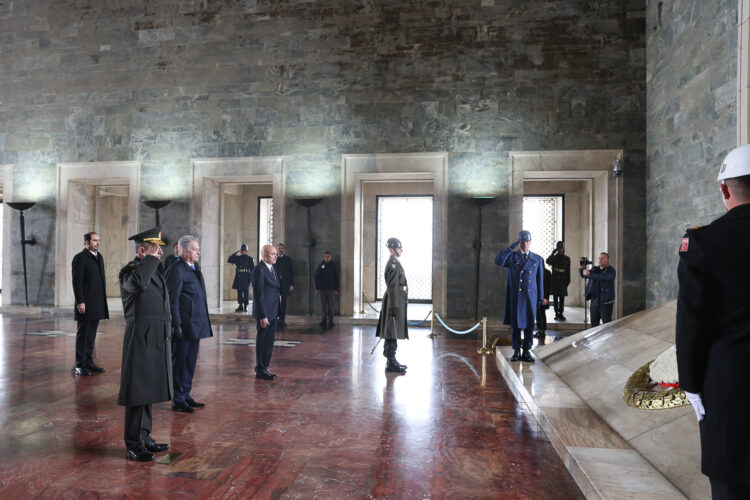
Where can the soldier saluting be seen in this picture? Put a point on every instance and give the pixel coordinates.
(560, 264)
(245, 265)
(392, 324)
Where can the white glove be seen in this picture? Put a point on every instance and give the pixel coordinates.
(697, 403)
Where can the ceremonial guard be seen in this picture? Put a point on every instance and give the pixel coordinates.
(146, 375)
(245, 265)
(392, 325)
(524, 292)
(560, 264)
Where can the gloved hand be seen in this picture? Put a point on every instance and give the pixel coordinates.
(515, 244)
(176, 335)
(697, 403)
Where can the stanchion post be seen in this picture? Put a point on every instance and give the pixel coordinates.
(432, 326)
(484, 349)
(362, 303)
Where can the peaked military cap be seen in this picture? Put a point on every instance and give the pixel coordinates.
(152, 235)
(243, 247)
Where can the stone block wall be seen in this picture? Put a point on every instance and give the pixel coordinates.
(692, 95)
(166, 81)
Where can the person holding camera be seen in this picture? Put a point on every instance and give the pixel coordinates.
(560, 264)
(601, 288)
(525, 273)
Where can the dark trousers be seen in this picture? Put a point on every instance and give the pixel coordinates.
(389, 347)
(85, 336)
(559, 304)
(137, 426)
(601, 312)
(326, 305)
(528, 338)
(264, 344)
(282, 311)
(243, 297)
(184, 357)
(723, 491)
(541, 319)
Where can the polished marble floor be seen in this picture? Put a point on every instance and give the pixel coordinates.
(332, 426)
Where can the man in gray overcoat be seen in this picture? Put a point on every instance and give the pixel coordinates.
(392, 324)
(146, 376)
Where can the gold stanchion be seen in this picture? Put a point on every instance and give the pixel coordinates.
(432, 326)
(484, 350)
(362, 303)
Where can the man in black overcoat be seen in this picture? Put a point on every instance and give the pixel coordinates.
(713, 331)
(327, 287)
(285, 273)
(266, 303)
(244, 266)
(190, 321)
(90, 290)
(146, 375)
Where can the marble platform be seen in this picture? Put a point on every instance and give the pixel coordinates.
(613, 451)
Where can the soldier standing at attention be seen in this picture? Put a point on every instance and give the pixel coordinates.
(392, 324)
(245, 265)
(526, 275)
(560, 264)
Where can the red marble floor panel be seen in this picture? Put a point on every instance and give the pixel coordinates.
(333, 425)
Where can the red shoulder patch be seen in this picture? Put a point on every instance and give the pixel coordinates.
(684, 244)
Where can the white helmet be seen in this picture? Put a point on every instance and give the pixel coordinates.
(736, 164)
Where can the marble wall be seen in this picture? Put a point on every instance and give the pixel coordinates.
(691, 75)
(163, 83)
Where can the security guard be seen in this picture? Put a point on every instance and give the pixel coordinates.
(525, 273)
(713, 331)
(245, 265)
(392, 323)
(560, 264)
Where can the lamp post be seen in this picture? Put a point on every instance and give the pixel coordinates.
(21, 206)
(156, 205)
(479, 201)
(309, 243)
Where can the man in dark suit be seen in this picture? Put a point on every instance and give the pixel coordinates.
(713, 331)
(266, 303)
(285, 273)
(90, 290)
(171, 259)
(190, 321)
(327, 286)
(146, 375)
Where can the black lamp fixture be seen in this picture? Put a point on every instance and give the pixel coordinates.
(156, 205)
(308, 203)
(21, 206)
(479, 201)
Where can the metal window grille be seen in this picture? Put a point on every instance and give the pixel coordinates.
(265, 223)
(543, 217)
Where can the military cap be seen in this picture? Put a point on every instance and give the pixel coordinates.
(393, 243)
(560, 245)
(152, 235)
(243, 247)
(524, 236)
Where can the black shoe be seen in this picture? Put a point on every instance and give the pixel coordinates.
(244, 308)
(562, 318)
(516, 356)
(139, 455)
(540, 334)
(82, 371)
(193, 403)
(182, 408)
(264, 375)
(155, 447)
(399, 364)
(330, 324)
(323, 324)
(239, 309)
(527, 357)
(392, 366)
(95, 369)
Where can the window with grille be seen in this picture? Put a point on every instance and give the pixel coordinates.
(265, 223)
(408, 218)
(543, 217)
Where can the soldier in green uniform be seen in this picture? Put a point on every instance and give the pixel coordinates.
(392, 324)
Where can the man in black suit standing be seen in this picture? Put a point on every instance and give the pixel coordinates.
(190, 321)
(266, 303)
(285, 273)
(90, 290)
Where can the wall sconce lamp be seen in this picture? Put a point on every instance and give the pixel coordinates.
(156, 205)
(479, 201)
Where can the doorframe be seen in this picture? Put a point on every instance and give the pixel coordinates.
(6, 178)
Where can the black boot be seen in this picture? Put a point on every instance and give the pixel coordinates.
(399, 364)
(527, 357)
(392, 366)
(516, 356)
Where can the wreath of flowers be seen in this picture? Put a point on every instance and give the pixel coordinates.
(654, 386)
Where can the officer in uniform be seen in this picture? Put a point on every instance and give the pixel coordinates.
(525, 273)
(392, 323)
(245, 265)
(560, 264)
(713, 331)
(146, 375)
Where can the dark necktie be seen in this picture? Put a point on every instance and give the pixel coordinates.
(525, 257)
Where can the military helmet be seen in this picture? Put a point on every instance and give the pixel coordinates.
(736, 163)
(393, 243)
(243, 248)
(560, 245)
(524, 236)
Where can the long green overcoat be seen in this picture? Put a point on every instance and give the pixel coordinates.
(146, 347)
(392, 323)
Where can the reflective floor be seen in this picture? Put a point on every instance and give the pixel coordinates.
(333, 425)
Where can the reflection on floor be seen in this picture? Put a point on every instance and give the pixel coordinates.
(333, 425)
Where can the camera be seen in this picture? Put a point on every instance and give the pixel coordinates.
(585, 262)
